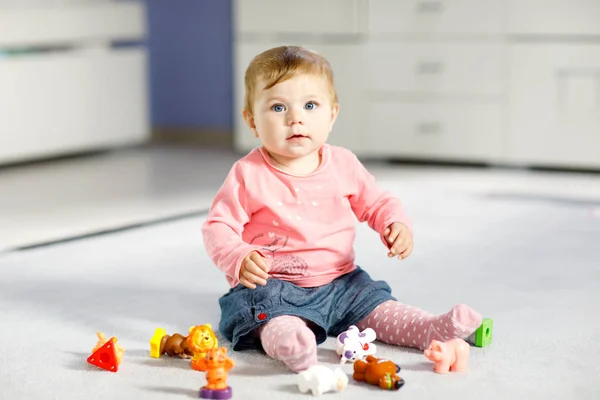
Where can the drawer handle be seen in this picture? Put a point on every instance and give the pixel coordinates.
(430, 68)
(429, 128)
(430, 7)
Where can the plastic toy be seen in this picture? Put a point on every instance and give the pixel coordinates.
(448, 356)
(173, 345)
(354, 345)
(319, 379)
(200, 340)
(216, 364)
(483, 334)
(107, 354)
(379, 372)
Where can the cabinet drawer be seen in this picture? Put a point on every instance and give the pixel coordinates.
(555, 105)
(308, 16)
(71, 23)
(437, 16)
(437, 68)
(555, 17)
(64, 102)
(470, 132)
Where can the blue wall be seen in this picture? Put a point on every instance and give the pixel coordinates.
(190, 43)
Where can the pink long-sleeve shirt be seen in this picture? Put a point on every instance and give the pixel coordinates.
(303, 225)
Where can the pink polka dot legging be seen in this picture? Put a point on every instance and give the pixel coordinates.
(289, 339)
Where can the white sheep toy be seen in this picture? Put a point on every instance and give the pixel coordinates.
(319, 379)
(354, 345)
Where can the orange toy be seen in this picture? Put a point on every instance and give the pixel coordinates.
(216, 364)
(379, 372)
(107, 354)
(200, 339)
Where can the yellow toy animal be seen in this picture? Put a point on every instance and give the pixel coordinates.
(200, 340)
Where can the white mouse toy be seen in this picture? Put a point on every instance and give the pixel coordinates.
(354, 345)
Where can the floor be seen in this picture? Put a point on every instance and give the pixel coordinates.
(58, 200)
(518, 246)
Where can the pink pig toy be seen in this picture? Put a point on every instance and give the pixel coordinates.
(448, 356)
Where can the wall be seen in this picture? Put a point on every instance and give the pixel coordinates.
(190, 45)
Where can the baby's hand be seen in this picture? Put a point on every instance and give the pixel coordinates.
(399, 240)
(255, 269)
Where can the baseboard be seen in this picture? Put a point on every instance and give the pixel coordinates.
(202, 137)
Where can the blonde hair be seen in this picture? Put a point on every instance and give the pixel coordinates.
(282, 63)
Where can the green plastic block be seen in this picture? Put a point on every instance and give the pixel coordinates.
(483, 334)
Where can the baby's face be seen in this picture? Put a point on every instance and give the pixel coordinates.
(293, 118)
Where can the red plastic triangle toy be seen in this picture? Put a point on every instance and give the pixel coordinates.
(105, 357)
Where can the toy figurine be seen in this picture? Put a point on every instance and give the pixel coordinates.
(448, 356)
(201, 339)
(354, 345)
(216, 364)
(173, 345)
(107, 354)
(319, 379)
(379, 372)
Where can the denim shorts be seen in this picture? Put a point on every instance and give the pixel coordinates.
(331, 308)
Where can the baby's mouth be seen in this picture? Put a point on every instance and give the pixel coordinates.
(297, 136)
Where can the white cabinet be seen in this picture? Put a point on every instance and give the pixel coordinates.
(436, 68)
(298, 17)
(555, 17)
(70, 24)
(555, 105)
(437, 16)
(439, 131)
(499, 81)
(436, 79)
(554, 91)
(61, 103)
(64, 87)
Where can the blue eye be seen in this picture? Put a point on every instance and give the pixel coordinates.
(278, 108)
(311, 105)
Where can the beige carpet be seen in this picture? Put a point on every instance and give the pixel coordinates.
(530, 263)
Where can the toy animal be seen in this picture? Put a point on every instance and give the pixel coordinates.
(216, 364)
(319, 379)
(174, 345)
(201, 339)
(354, 345)
(448, 356)
(379, 372)
(102, 341)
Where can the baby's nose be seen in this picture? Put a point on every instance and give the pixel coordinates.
(294, 117)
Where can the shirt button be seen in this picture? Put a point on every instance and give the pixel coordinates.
(262, 316)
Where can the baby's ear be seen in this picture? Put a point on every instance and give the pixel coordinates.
(249, 118)
(335, 110)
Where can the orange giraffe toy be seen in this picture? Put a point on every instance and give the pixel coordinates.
(216, 364)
